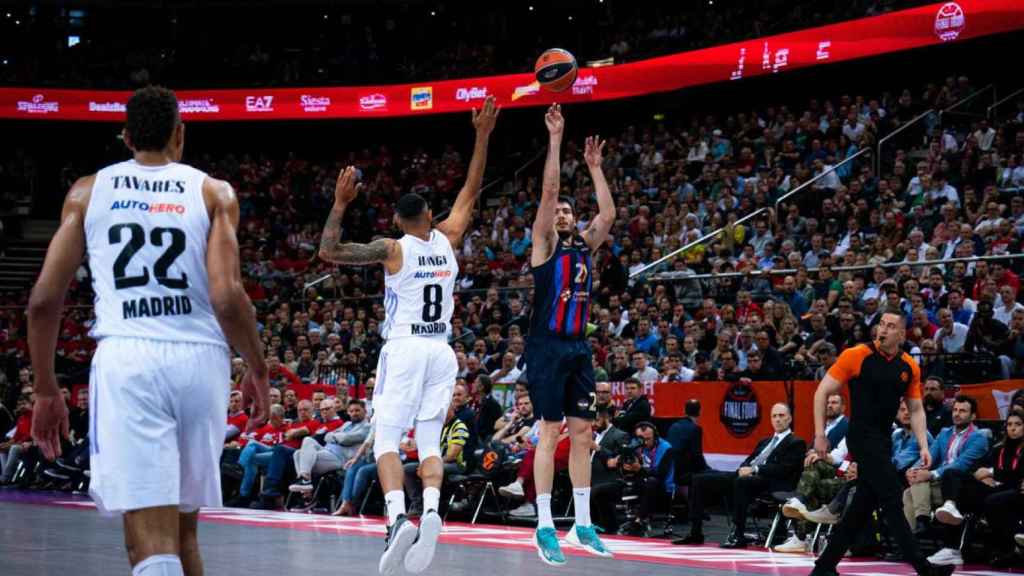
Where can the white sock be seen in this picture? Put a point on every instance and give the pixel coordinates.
(159, 565)
(544, 519)
(395, 501)
(581, 502)
(431, 498)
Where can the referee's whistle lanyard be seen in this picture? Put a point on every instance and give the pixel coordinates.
(963, 442)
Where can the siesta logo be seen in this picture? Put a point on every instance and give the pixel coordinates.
(950, 21)
(156, 208)
(38, 105)
(259, 103)
(312, 103)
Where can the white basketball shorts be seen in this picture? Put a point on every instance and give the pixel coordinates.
(415, 379)
(157, 422)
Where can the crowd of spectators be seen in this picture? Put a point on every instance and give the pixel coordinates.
(367, 45)
(954, 192)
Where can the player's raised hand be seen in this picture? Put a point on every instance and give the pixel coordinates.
(485, 118)
(346, 189)
(554, 121)
(593, 151)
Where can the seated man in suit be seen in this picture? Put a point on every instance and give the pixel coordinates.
(604, 471)
(636, 409)
(774, 465)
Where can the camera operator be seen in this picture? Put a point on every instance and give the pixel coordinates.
(604, 471)
(647, 463)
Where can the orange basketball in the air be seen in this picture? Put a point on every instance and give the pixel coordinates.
(555, 69)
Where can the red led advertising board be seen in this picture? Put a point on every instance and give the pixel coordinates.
(897, 31)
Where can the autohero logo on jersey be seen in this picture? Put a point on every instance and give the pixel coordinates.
(312, 103)
(421, 98)
(432, 261)
(38, 105)
(372, 102)
(259, 104)
(470, 94)
(155, 208)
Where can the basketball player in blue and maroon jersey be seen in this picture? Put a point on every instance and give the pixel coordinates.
(558, 357)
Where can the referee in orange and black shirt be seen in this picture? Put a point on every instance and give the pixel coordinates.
(879, 374)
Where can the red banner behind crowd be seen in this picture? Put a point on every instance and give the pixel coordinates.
(897, 31)
(734, 417)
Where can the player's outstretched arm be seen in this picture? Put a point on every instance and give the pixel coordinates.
(64, 256)
(597, 232)
(231, 305)
(454, 227)
(544, 223)
(333, 250)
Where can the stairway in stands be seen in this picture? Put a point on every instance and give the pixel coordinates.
(23, 258)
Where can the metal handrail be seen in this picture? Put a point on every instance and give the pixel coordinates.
(966, 99)
(753, 214)
(527, 164)
(790, 271)
(819, 176)
(988, 111)
(887, 137)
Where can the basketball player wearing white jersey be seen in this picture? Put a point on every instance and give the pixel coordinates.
(161, 242)
(417, 368)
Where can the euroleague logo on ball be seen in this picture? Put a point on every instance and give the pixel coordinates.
(949, 21)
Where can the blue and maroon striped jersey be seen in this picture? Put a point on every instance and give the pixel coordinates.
(561, 291)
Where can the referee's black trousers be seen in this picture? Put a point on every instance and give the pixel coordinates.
(878, 486)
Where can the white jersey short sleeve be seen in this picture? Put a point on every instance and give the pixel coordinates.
(146, 231)
(418, 299)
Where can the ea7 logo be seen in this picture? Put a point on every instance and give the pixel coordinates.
(259, 103)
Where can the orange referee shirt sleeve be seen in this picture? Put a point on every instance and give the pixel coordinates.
(848, 364)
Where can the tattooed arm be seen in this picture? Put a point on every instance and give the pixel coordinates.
(384, 250)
